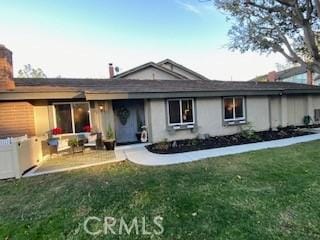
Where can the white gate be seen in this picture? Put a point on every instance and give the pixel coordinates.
(9, 161)
(17, 157)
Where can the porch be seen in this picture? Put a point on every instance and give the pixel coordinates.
(68, 162)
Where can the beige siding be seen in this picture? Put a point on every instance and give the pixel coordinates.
(157, 120)
(150, 73)
(181, 71)
(106, 117)
(41, 118)
(315, 104)
(208, 117)
(258, 112)
(275, 107)
(297, 108)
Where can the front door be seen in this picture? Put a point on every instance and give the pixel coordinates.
(126, 120)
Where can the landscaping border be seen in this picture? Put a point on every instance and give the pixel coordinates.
(142, 156)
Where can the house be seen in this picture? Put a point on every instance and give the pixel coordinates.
(172, 101)
(297, 74)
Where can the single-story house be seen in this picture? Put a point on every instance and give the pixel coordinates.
(172, 101)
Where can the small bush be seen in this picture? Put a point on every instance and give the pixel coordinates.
(162, 146)
(307, 120)
(247, 132)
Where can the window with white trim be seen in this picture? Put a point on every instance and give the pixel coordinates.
(234, 108)
(72, 117)
(180, 111)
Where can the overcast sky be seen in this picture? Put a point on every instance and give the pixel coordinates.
(79, 38)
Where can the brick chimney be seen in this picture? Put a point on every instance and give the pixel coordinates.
(309, 77)
(6, 72)
(272, 76)
(111, 70)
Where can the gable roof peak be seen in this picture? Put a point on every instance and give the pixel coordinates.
(146, 65)
(178, 65)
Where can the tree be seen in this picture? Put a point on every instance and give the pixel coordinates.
(29, 72)
(289, 27)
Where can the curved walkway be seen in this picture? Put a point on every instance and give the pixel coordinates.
(140, 155)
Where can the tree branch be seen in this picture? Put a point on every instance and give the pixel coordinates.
(317, 5)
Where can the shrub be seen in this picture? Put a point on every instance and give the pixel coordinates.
(307, 120)
(247, 132)
(73, 142)
(110, 133)
(162, 146)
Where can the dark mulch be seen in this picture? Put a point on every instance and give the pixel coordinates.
(189, 145)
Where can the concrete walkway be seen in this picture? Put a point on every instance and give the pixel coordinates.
(140, 155)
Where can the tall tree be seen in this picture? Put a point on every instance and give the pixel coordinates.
(29, 72)
(289, 27)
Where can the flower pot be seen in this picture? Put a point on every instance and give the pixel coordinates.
(77, 149)
(138, 135)
(109, 144)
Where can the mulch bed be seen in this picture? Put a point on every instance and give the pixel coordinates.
(189, 145)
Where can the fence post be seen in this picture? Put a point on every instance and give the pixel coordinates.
(16, 163)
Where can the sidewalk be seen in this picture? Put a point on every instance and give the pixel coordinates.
(140, 155)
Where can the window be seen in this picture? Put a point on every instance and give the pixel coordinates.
(180, 111)
(233, 108)
(72, 117)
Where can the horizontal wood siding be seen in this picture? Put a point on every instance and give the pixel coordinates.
(16, 119)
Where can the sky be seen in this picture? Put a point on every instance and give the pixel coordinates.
(79, 38)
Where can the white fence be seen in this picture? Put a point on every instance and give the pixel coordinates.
(18, 156)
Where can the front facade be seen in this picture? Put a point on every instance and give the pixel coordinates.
(170, 101)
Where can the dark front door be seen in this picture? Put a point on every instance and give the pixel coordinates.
(126, 119)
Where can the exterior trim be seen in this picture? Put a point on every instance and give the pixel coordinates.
(41, 95)
(186, 126)
(180, 102)
(110, 96)
(8, 96)
(72, 115)
(237, 121)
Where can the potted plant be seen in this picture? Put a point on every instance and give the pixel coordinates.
(110, 141)
(75, 145)
(140, 128)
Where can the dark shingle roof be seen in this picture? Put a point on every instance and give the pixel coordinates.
(151, 86)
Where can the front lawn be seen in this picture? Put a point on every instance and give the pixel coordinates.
(269, 194)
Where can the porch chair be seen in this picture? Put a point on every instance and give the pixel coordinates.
(92, 141)
(58, 145)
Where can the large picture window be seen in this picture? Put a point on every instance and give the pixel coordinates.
(72, 117)
(234, 108)
(180, 111)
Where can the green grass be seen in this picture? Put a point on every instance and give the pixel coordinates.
(269, 194)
